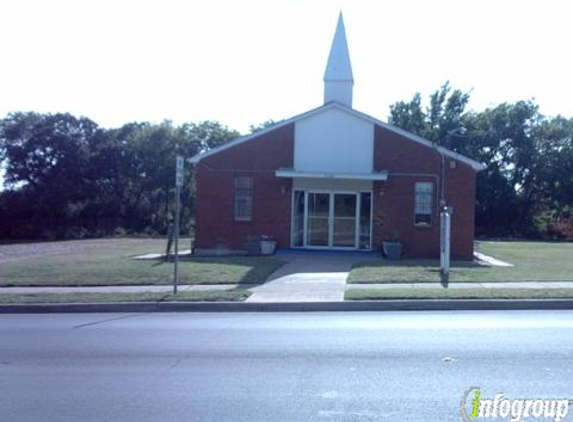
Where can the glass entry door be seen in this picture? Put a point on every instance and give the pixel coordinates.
(344, 220)
(331, 219)
(318, 219)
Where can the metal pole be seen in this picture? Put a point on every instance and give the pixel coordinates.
(179, 168)
(176, 234)
(445, 227)
(447, 245)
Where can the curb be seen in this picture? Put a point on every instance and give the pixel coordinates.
(347, 306)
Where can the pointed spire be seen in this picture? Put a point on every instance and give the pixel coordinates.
(338, 80)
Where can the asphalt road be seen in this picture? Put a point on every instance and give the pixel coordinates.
(403, 366)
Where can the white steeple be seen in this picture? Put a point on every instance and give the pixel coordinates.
(338, 79)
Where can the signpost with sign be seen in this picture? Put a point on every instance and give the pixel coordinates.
(179, 175)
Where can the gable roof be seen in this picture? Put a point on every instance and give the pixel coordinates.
(477, 166)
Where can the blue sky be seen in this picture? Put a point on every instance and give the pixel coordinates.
(243, 62)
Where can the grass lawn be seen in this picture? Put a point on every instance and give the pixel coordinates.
(479, 293)
(534, 261)
(108, 262)
(237, 295)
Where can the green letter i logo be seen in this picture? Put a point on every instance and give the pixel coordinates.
(475, 402)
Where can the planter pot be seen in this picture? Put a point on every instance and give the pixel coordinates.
(267, 247)
(254, 248)
(392, 250)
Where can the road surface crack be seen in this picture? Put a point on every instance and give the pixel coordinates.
(88, 324)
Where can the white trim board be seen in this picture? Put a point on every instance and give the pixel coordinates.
(291, 173)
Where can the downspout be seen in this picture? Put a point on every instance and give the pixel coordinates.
(442, 176)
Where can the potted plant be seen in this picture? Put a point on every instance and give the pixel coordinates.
(267, 245)
(392, 247)
(253, 246)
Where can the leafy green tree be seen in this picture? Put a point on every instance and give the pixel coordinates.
(46, 157)
(45, 150)
(528, 157)
(147, 169)
(440, 122)
(67, 177)
(552, 184)
(266, 124)
(503, 137)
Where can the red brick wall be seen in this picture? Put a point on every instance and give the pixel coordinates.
(409, 162)
(258, 158)
(393, 200)
(460, 189)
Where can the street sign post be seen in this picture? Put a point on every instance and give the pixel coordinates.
(179, 174)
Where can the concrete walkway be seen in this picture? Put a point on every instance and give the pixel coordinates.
(497, 285)
(308, 278)
(491, 261)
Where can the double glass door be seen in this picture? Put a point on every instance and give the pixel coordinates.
(331, 219)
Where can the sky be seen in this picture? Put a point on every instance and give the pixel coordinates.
(243, 62)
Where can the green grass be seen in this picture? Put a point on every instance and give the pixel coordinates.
(237, 295)
(534, 261)
(108, 262)
(478, 293)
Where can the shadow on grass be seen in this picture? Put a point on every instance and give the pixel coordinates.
(429, 264)
(259, 268)
(413, 271)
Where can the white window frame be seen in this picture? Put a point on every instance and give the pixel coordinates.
(243, 199)
(425, 209)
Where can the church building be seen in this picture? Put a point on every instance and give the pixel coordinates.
(334, 178)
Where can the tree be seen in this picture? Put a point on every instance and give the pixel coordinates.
(46, 157)
(266, 124)
(145, 170)
(503, 138)
(44, 150)
(69, 178)
(552, 178)
(441, 122)
(527, 187)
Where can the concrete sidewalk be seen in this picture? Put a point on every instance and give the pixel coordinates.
(120, 289)
(285, 286)
(468, 285)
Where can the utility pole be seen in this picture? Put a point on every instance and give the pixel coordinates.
(179, 173)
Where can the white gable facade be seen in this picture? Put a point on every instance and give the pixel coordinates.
(334, 141)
